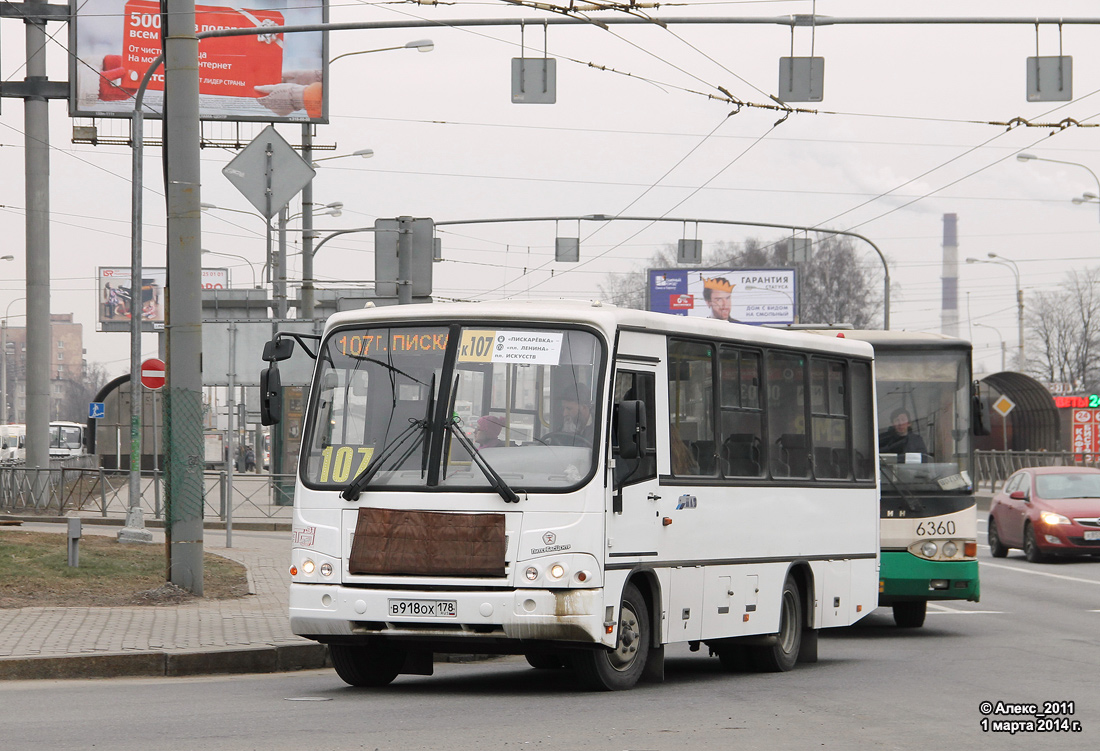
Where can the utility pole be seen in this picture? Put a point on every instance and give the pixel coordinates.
(183, 400)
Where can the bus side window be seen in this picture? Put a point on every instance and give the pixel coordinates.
(787, 414)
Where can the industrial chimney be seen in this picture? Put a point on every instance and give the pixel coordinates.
(949, 309)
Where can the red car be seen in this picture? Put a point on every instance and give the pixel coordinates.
(1047, 511)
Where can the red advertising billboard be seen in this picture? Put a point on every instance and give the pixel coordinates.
(262, 77)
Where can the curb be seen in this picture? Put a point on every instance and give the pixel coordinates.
(270, 659)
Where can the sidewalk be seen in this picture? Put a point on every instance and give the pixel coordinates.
(245, 635)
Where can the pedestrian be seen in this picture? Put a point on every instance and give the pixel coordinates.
(249, 459)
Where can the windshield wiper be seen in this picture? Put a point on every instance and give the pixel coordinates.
(888, 472)
(416, 428)
(498, 483)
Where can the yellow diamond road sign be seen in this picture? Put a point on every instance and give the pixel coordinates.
(1004, 405)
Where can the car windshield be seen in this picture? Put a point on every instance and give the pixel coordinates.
(924, 421)
(1069, 485)
(524, 396)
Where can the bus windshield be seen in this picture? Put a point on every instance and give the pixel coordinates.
(415, 403)
(924, 421)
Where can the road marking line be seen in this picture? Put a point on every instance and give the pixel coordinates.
(937, 609)
(1040, 573)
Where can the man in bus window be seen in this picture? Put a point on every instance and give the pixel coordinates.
(900, 438)
(576, 415)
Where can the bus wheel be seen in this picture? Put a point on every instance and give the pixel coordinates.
(997, 549)
(910, 614)
(545, 660)
(782, 656)
(366, 666)
(619, 668)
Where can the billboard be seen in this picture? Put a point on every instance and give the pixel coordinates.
(116, 295)
(755, 296)
(265, 78)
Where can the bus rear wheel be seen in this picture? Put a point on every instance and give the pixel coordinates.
(366, 666)
(782, 656)
(910, 614)
(619, 668)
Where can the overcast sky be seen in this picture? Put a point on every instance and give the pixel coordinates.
(905, 133)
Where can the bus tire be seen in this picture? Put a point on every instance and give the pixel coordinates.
(366, 666)
(997, 549)
(620, 668)
(910, 614)
(783, 655)
(545, 660)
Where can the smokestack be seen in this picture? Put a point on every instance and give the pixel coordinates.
(949, 309)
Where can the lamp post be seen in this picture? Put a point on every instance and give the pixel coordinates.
(308, 301)
(998, 332)
(234, 255)
(1083, 198)
(1008, 262)
(4, 357)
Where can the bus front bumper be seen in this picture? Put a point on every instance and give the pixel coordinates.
(319, 611)
(905, 577)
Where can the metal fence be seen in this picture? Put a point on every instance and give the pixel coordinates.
(994, 467)
(105, 492)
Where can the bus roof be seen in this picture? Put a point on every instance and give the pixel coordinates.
(898, 339)
(607, 317)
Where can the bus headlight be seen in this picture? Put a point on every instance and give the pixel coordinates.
(928, 549)
(326, 569)
(531, 573)
(950, 549)
(557, 571)
(308, 567)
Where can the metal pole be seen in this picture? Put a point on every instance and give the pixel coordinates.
(280, 264)
(1020, 321)
(134, 530)
(37, 165)
(183, 401)
(232, 407)
(4, 370)
(404, 260)
(306, 311)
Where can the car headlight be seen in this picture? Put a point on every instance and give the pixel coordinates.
(1049, 517)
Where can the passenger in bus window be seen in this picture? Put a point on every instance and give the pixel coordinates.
(487, 432)
(900, 438)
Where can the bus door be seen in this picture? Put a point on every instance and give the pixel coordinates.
(634, 520)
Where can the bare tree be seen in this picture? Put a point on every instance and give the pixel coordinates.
(79, 394)
(834, 286)
(1064, 332)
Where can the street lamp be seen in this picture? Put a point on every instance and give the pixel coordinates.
(1002, 261)
(1024, 157)
(4, 356)
(306, 310)
(234, 255)
(998, 332)
(365, 153)
(420, 45)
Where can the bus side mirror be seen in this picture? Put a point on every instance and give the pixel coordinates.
(631, 433)
(980, 419)
(278, 350)
(271, 395)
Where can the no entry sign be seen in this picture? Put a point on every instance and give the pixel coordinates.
(152, 373)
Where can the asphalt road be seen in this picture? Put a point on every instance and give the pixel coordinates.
(1032, 639)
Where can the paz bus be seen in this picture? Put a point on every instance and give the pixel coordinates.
(66, 439)
(644, 480)
(929, 515)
